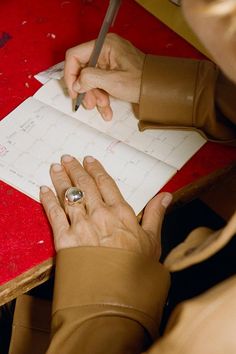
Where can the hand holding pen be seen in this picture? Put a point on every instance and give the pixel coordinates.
(108, 20)
(117, 72)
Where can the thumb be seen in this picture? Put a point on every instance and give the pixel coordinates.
(154, 213)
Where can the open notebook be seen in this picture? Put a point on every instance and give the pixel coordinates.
(44, 127)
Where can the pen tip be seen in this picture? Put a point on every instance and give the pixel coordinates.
(76, 107)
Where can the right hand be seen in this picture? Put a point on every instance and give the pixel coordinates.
(118, 73)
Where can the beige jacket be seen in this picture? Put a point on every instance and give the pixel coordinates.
(111, 301)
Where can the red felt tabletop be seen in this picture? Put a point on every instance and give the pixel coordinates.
(35, 35)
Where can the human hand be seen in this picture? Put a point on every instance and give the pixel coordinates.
(118, 73)
(103, 218)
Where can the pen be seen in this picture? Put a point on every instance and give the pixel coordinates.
(107, 22)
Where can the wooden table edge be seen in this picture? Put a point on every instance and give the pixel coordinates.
(26, 281)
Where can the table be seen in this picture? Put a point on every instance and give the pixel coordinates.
(33, 36)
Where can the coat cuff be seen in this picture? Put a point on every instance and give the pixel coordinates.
(179, 93)
(111, 282)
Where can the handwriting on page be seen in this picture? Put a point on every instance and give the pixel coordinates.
(35, 135)
(170, 146)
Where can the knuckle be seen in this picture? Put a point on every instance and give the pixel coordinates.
(112, 36)
(69, 53)
(54, 212)
(83, 179)
(101, 214)
(73, 166)
(112, 40)
(102, 178)
(124, 207)
(83, 75)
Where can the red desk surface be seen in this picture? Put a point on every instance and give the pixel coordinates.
(35, 35)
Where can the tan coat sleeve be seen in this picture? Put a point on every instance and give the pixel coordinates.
(106, 301)
(199, 245)
(115, 301)
(187, 94)
(205, 324)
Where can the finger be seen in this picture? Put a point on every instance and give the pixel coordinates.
(76, 212)
(76, 58)
(71, 73)
(106, 112)
(91, 78)
(96, 97)
(154, 213)
(106, 185)
(103, 104)
(100, 99)
(60, 180)
(81, 179)
(55, 214)
(89, 101)
(119, 84)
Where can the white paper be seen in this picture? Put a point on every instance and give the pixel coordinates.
(35, 135)
(45, 127)
(175, 147)
(54, 72)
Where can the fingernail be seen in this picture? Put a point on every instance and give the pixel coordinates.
(166, 200)
(44, 189)
(89, 159)
(76, 86)
(67, 158)
(56, 167)
(107, 116)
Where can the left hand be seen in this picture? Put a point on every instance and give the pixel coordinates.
(104, 218)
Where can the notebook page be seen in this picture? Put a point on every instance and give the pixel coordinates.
(174, 147)
(54, 72)
(35, 135)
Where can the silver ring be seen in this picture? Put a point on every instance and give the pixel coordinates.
(74, 195)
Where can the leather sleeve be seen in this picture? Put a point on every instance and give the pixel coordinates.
(199, 245)
(178, 93)
(106, 301)
(204, 324)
